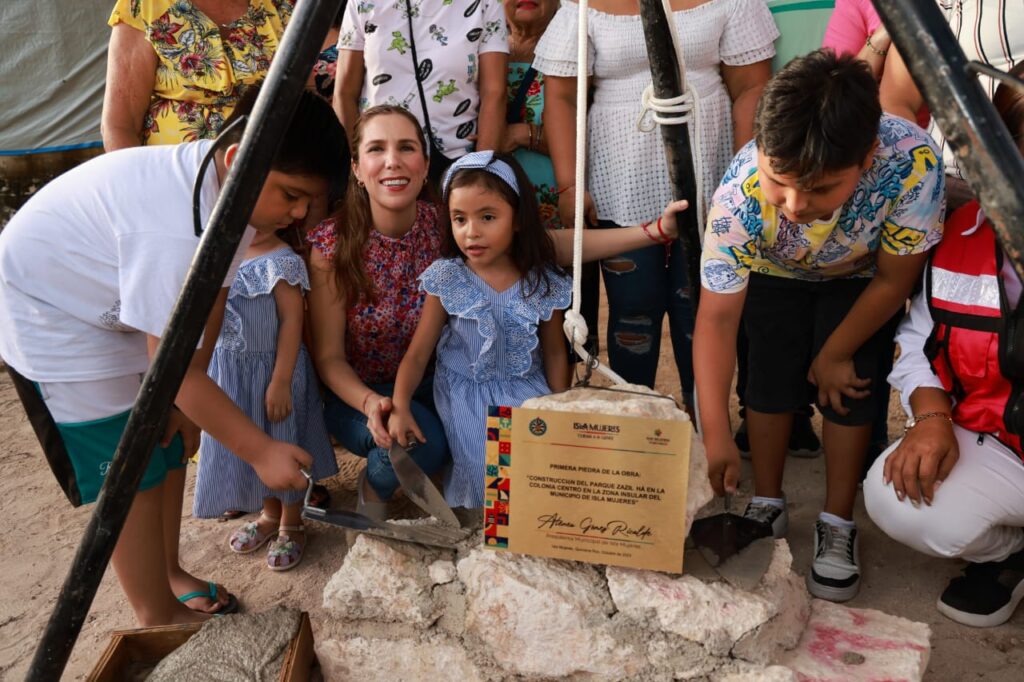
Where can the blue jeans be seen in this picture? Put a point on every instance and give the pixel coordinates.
(641, 288)
(348, 426)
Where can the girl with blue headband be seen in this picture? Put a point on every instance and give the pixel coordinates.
(493, 313)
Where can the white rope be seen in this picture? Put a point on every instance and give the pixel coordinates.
(575, 327)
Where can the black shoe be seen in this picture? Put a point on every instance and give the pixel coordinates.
(986, 594)
(742, 440)
(803, 442)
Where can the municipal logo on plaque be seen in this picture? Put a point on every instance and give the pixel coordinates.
(538, 426)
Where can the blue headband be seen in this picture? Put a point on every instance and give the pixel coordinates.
(482, 161)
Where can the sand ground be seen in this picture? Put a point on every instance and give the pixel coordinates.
(41, 533)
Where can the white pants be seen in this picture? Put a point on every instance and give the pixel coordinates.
(976, 514)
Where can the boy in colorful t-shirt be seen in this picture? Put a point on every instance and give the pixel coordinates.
(815, 238)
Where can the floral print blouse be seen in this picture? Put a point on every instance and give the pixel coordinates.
(378, 334)
(201, 67)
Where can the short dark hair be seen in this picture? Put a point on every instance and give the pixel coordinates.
(819, 114)
(314, 142)
(533, 250)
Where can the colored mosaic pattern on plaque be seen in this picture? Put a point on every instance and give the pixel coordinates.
(496, 479)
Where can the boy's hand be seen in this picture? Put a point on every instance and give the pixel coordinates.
(278, 466)
(723, 464)
(923, 459)
(177, 422)
(378, 411)
(278, 400)
(836, 377)
(403, 428)
(669, 224)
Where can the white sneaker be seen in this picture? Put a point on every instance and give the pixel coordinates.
(835, 571)
(769, 514)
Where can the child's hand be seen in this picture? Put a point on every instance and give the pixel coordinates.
(177, 422)
(403, 429)
(836, 377)
(378, 411)
(669, 224)
(278, 400)
(723, 464)
(278, 466)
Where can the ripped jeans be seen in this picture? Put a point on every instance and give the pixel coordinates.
(640, 290)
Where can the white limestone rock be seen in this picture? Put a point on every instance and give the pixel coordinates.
(603, 401)
(715, 614)
(773, 673)
(788, 591)
(541, 617)
(841, 644)
(385, 581)
(386, 660)
(442, 572)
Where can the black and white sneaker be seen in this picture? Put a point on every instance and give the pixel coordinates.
(769, 514)
(835, 571)
(986, 594)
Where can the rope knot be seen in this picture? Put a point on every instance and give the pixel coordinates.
(682, 107)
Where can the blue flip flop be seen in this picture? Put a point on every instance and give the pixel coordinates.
(211, 593)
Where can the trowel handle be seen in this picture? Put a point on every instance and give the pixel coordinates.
(309, 486)
(728, 502)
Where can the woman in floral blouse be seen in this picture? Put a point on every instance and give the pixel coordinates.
(176, 67)
(365, 301)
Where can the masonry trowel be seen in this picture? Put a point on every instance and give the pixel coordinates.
(738, 549)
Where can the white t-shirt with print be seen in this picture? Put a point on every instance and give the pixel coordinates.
(449, 39)
(95, 261)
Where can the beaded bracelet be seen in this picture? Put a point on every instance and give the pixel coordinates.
(880, 53)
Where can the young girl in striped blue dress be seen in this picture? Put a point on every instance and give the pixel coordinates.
(260, 362)
(493, 311)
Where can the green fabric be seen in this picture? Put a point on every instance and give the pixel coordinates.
(91, 446)
(801, 26)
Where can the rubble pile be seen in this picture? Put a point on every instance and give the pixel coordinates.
(471, 613)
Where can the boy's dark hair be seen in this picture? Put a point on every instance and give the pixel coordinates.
(314, 142)
(1009, 102)
(819, 114)
(533, 251)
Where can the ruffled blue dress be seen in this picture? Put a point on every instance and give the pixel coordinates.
(242, 364)
(488, 354)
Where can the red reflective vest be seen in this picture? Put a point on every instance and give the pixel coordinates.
(968, 305)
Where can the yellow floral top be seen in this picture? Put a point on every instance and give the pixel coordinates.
(201, 67)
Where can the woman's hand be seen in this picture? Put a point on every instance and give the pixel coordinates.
(378, 410)
(177, 422)
(403, 429)
(567, 209)
(922, 460)
(836, 377)
(669, 223)
(516, 135)
(278, 400)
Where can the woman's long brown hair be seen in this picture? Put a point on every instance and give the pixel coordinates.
(354, 220)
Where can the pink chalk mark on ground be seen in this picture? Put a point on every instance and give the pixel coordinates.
(830, 643)
(859, 619)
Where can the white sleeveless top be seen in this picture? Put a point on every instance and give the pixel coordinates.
(626, 169)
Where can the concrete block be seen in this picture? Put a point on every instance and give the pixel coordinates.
(715, 614)
(841, 644)
(385, 581)
(365, 659)
(543, 618)
(651, 406)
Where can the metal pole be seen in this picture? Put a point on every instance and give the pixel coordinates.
(678, 153)
(986, 153)
(271, 115)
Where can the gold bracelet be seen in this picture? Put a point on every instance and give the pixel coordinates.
(918, 418)
(880, 53)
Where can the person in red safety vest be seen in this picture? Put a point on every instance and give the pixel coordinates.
(953, 486)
